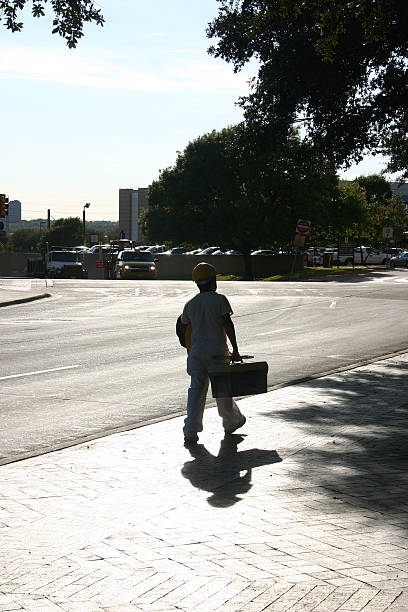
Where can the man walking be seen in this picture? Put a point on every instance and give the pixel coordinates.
(209, 314)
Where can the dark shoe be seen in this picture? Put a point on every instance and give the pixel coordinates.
(190, 440)
(235, 427)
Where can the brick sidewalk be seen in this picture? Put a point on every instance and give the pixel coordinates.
(306, 510)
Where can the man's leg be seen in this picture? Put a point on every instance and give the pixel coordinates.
(197, 394)
(232, 417)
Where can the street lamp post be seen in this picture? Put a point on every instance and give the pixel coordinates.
(87, 205)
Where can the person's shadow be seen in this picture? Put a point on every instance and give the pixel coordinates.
(221, 475)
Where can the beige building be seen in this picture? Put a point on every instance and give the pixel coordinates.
(132, 202)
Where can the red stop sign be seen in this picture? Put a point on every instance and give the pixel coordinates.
(303, 226)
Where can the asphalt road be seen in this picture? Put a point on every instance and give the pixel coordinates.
(101, 356)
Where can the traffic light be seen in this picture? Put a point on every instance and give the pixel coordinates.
(3, 205)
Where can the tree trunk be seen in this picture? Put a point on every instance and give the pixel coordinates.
(248, 267)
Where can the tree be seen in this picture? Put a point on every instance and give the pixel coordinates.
(23, 241)
(234, 191)
(352, 214)
(382, 209)
(393, 215)
(337, 66)
(69, 16)
(348, 210)
(64, 233)
(377, 188)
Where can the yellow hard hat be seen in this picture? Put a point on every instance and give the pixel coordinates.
(203, 271)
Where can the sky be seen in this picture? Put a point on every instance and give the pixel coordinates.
(79, 124)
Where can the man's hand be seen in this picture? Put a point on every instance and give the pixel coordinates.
(236, 356)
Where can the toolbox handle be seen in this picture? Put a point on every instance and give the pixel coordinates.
(228, 358)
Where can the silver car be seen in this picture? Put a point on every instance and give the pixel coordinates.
(400, 262)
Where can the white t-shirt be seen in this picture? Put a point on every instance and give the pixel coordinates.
(205, 312)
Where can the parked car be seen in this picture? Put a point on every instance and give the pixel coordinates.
(195, 252)
(176, 251)
(106, 248)
(233, 252)
(370, 256)
(395, 252)
(158, 248)
(80, 249)
(209, 250)
(401, 261)
(135, 264)
(264, 252)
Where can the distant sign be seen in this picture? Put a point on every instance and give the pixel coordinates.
(303, 226)
(94, 238)
(99, 265)
(346, 246)
(388, 232)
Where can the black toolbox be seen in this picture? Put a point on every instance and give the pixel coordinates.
(238, 379)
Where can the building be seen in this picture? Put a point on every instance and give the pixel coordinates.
(400, 191)
(14, 211)
(132, 202)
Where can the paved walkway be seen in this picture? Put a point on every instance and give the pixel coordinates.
(306, 510)
(18, 290)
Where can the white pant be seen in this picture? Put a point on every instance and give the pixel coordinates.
(197, 393)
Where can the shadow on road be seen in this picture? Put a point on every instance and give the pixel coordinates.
(220, 475)
(359, 435)
(351, 276)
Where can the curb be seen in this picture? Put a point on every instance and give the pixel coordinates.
(339, 370)
(26, 299)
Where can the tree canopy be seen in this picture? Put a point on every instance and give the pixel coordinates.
(63, 232)
(23, 241)
(377, 188)
(69, 16)
(361, 209)
(339, 67)
(229, 191)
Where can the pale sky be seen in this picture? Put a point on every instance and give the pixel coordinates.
(79, 124)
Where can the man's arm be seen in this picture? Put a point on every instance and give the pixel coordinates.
(230, 331)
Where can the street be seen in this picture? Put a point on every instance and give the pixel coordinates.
(102, 356)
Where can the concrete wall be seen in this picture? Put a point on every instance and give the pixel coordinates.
(169, 266)
(14, 264)
(181, 266)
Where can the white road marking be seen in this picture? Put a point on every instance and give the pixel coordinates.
(333, 304)
(95, 290)
(275, 331)
(35, 321)
(39, 372)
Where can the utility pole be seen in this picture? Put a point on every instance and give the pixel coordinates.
(87, 205)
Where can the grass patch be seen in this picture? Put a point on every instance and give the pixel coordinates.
(311, 273)
(228, 277)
